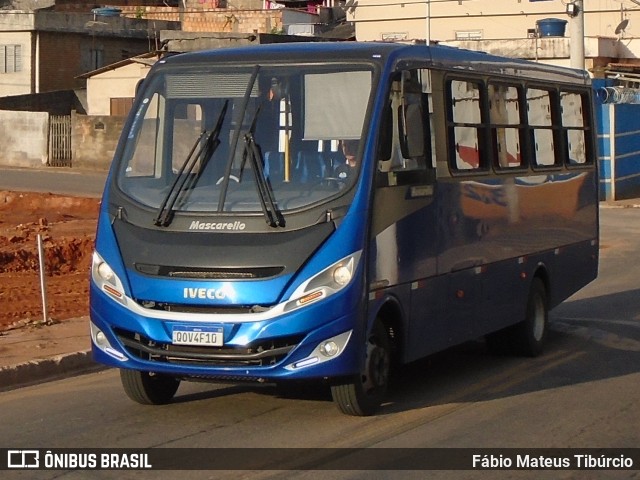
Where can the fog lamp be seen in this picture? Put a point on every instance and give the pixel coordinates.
(101, 339)
(329, 349)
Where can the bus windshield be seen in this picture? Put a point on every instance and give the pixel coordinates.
(266, 139)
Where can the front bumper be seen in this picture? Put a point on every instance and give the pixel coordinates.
(290, 346)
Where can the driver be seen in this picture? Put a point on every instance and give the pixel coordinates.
(349, 149)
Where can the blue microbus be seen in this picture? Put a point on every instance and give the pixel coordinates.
(322, 211)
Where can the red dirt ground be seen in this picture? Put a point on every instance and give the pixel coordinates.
(67, 226)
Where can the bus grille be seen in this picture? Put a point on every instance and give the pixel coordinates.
(220, 273)
(263, 353)
(208, 309)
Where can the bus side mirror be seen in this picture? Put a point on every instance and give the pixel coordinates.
(412, 134)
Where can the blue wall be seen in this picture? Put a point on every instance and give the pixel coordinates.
(618, 127)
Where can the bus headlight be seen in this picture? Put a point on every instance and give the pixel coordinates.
(106, 279)
(105, 272)
(324, 284)
(342, 275)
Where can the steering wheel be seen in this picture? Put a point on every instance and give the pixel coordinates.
(338, 181)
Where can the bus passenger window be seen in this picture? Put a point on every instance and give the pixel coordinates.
(465, 124)
(541, 127)
(505, 122)
(574, 126)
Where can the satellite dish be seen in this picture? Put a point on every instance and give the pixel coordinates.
(622, 26)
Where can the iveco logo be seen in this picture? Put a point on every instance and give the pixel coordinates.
(198, 225)
(205, 293)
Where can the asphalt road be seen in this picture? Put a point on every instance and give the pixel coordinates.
(583, 392)
(64, 181)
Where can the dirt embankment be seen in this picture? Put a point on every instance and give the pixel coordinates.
(67, 227)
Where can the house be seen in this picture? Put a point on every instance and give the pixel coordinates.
(111, 89)
(44, 50)
(506, 27)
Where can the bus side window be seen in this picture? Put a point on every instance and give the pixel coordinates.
(504, 114)
(466, 127)
(404, 147)
(574, 127)
(539, 116)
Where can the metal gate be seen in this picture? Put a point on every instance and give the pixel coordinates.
(59, 141)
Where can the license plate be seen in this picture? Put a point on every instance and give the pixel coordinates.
(202, 336)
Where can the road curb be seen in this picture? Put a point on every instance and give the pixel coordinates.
(619, 205)
(47, 369)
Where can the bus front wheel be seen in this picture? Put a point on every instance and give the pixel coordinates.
(148, 388)
(363, 394)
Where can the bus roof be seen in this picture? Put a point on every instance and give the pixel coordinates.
(437, 56)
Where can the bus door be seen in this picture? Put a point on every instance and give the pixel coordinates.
(404, 230)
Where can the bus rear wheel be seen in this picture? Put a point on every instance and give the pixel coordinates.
(363, 394)
(148, 388)
(526, 338)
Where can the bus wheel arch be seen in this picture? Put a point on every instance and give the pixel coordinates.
(362, 394)
(391, 316)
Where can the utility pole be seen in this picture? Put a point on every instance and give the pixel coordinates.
(428, 23)
(575, 10)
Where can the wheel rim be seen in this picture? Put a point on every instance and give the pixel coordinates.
(376, 371)
(538, 319)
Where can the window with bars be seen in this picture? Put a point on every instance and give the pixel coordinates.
(575, 127)
(10, 58)
(466, 125)
(539, 114)
(504, 114)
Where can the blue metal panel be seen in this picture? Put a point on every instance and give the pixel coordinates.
(627, 143)
(627, 167)
(628, 187)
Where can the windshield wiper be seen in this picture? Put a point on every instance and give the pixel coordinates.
(180, 185)
(236, 136)
(272, 214)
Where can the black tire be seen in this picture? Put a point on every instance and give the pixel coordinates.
(363, 394)
(527, 337)
(148, 388)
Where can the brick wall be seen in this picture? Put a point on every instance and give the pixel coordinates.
(65, 56)
(170, 14)
(59, 60)
(237, 21)
(86, 6)
(206, 16)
